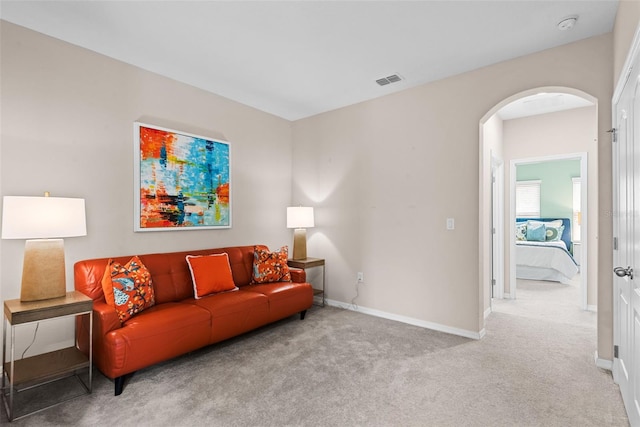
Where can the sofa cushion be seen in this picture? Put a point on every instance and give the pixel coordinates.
(210, 274)
(270, 266)
(234, 313)
(159, 333)
(128, 288)
(276, 290)
(285, 298)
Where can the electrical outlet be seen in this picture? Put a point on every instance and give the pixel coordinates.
(360, 277)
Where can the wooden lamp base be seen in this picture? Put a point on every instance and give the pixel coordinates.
(43, 270)
(299, 243)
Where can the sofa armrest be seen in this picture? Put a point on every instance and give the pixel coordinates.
(298, 275)
(105, 319)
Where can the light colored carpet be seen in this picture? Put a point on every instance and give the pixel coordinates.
(551, 301)
(342, 368)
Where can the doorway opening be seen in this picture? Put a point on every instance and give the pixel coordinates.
(560, 173)
(548, 134)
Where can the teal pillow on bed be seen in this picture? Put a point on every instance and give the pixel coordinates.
(536, 231)
(554, 234)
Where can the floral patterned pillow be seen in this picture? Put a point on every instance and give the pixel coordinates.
(270, 266)
(128, 288)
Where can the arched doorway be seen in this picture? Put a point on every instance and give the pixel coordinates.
(497, 253)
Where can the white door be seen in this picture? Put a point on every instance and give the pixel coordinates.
(626, 257)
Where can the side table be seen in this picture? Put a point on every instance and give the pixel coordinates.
(307, 263)
(44, 368)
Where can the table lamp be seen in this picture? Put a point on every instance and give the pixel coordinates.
(299, 218)
(43, 221)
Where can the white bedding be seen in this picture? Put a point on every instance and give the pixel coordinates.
(544, 261)
(558, 244)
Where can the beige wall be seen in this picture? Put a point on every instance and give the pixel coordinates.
(556, 134)
(627, 19)
(67, 127)
(385, 174)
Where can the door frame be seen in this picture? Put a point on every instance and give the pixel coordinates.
(625, 73)
(497, 224)
(584, 183)
(484, 188)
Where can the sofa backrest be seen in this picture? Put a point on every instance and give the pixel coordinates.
(169, 272)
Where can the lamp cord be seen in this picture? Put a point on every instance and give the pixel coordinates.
(353, 300)
(32, 341)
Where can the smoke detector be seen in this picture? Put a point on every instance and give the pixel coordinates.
(567, 23)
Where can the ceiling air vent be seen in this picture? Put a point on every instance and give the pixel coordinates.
(389, 79)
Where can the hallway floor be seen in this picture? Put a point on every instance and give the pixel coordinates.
(551, 301)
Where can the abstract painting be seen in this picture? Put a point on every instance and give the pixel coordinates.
(182, 180)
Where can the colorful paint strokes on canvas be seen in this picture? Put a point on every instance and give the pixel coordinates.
(184, 180)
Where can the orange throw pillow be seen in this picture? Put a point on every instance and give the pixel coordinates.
(128, 288)
(210, 274)
(270, 266)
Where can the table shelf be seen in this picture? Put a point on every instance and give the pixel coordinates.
(46, 367)
(307, 263)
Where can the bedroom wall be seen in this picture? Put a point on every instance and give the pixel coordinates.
(67, 128)
(563, 133)
(384, 176)
(556, 188)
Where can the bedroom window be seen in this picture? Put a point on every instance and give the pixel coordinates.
(577, 215)
(528, 199)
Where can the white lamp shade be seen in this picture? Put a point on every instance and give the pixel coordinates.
(300, 217)
(42, 217)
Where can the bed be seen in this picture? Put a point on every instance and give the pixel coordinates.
(544, 256)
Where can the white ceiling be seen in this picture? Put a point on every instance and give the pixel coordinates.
(295, 59)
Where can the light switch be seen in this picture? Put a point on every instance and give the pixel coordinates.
(451, 224)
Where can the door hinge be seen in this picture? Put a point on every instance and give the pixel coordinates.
(614, 134)
(615, 351)
(493, 282)
(615, 243)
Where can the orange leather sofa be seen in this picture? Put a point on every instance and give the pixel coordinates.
(179, 323)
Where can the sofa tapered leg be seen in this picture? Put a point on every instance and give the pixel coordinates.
(302, 314)
(119, 383)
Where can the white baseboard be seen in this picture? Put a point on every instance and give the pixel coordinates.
(593, 308)
(409, 320)
(487, 312)
(603, 363)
